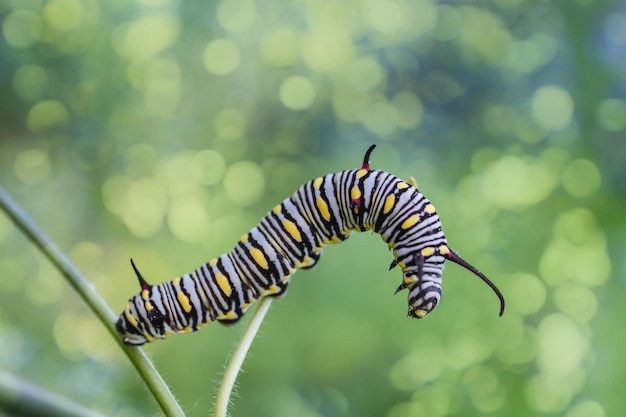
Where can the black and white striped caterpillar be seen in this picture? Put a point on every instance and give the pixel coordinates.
(291, 236)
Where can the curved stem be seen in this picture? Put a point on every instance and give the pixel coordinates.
(98, 306)
(236, 361)
(21, 398)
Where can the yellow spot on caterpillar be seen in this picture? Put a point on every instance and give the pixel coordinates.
(176, 282)
(259, 257)
(285, 278)
(145, 294)
(185, 330)
(410, 222)
(229, 315)
(184, 301)
(149, 306)
(292, 229)
(244, 238)
(168, 333)
(428, 251)
(409, 280)
(213, 262)
(390, 201)
(224, 284)
(317, 182)
(420, 313)
(361, 173)
(334, 240)
(323, 208)
(201, 325)
(273, 289)
(430, 209)
(355, 193)
(444, 250)
(130, 317)
(412, 182)
(402, 185)
(278, 209)
(307, 261)
(392, 244)
(148, 337)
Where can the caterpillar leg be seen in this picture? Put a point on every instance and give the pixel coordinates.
(311, 259)
(277, 290)
(406, 282)
(394, 263)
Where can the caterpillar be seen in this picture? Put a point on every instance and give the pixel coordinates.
(325, 210)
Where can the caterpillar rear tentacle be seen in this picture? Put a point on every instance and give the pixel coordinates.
(325, 210)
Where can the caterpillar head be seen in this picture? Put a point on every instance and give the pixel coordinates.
(142, 321)
(423, 281)
(423, 298)
(422, 278)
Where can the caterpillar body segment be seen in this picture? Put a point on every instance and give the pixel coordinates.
(325, 210)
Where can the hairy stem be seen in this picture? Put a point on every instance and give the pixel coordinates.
(236, 361)
(90, 296)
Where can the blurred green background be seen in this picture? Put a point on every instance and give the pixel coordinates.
(164, 130)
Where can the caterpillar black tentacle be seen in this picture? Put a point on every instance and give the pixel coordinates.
(292, 236)
(454, 257)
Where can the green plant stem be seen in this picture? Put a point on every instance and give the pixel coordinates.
(236, 361)
(98, 306)
(21, 398)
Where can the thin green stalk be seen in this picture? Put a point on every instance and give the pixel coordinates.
(98, 306)
(21, 398)
(236, 361)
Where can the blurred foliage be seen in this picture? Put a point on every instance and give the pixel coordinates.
(164, 130)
